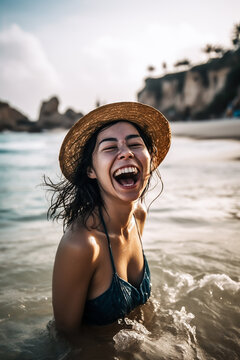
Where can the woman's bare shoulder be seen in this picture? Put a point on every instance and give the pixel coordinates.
(140, 212)
(79, 242)
(140, 215)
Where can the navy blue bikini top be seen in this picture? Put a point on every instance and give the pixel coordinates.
(120, 298)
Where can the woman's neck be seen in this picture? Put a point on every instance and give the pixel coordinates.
(118, 218)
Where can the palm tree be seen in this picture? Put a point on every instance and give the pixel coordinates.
(208, 50)
(184, 62)
(219, 50)
(150, 68)
(164, 66)
(236, 35)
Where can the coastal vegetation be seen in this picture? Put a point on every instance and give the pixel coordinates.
(202, 91)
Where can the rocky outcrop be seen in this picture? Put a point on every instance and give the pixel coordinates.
(50, 118)
(202, 92)
(12, 119)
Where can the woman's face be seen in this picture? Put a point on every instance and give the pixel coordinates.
(120, 162)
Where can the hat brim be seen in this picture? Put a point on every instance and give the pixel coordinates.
(147, 117)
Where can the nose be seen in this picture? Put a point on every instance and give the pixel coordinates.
(125, 153)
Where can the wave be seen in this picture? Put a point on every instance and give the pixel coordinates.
(220, 281)
(9, 216)
(178, 285)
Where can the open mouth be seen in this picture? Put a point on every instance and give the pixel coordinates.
(127, 176)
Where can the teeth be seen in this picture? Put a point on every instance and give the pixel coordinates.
(130, 169)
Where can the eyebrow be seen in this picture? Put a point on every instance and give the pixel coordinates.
(128, 137)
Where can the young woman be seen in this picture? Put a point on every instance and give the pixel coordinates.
(100, 271)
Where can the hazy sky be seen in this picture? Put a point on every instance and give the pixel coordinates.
(89, 50)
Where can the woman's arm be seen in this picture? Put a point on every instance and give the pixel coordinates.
(73, 270)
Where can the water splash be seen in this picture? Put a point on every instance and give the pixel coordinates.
(127, 338)
(221, 281)
(172, 335)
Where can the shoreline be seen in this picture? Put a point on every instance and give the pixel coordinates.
(207, 129)
(196, 129)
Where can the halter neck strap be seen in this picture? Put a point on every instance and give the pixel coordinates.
(108, 239)
(109, 243)
(138, 230)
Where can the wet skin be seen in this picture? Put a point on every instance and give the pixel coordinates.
(83, 268)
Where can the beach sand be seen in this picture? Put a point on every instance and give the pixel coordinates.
(210, 129)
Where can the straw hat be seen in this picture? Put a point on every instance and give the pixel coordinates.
(148, 118)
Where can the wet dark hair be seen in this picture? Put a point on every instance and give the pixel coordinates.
(79, 198)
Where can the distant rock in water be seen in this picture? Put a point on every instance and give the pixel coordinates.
(12, 119)
(204, 91)
(50, 118)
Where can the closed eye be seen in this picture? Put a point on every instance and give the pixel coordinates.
(109, 148)
(135, 145)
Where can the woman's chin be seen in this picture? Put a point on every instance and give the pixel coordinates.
(128, 192)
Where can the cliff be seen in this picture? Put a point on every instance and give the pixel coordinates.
(12, 119)
(49, 118)
(204, 91)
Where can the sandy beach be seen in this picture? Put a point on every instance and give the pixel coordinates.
(210, 129)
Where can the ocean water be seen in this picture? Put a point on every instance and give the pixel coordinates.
(191, 240)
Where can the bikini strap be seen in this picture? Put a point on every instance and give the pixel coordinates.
(109, 243)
